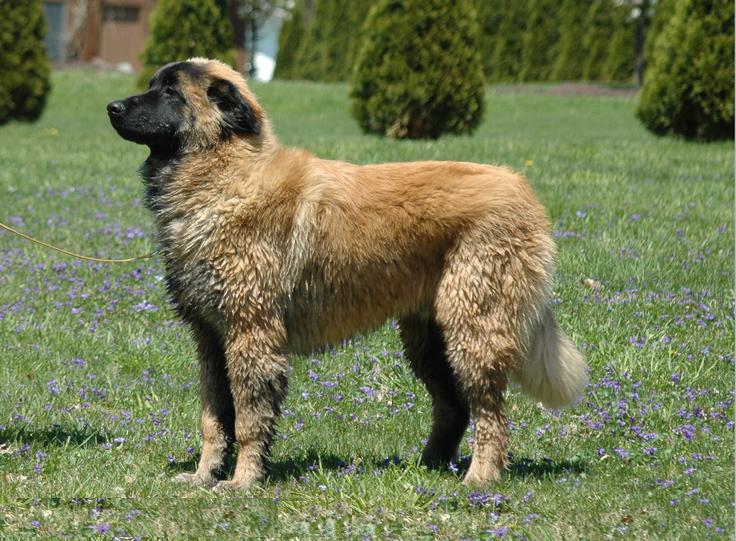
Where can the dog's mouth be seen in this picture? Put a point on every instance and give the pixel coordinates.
(120, 122)
(127, 133)
(140, 134)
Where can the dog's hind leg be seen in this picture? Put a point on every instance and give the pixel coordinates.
(482, 304)
(217, 413)
(425, 348)
(481, 360)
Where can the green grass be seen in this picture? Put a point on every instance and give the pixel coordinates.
(98, 407)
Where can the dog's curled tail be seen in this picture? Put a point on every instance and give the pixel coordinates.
(553, 370)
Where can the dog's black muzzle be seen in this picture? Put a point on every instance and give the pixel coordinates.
(116, 108)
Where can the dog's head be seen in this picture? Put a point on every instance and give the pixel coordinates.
(193, 104)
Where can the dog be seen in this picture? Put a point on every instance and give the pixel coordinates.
(271, 251)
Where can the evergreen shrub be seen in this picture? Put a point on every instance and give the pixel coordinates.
(689, 86)
(182, 29)
(25, 70)
(419, 73)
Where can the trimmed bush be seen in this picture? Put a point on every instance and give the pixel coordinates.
(25, 69)
(182, 29)
(689, 86)
(419, 73)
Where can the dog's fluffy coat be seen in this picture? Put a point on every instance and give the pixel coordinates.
(270, 250)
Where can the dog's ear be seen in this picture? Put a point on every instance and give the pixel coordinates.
(237, 114)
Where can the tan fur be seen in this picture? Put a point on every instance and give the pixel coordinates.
(276, 251)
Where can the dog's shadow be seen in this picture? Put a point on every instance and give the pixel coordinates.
(280, 471)
(54, 435)
(545, 468)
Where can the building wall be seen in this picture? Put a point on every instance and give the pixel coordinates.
(113, 31)
(123, 31)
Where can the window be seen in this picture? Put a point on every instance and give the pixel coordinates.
(120, 14)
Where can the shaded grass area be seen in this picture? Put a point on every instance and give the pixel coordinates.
(99, 405)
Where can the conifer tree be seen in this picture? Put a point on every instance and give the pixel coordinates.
(689, 87)
(570, 58)
(599, 23)
(25, 69)
(419, 73)
(311, 58)
(540, 40)
(290, 41)
(182, 29)
(506, 62)
(352, 33)
(621, 58)
(489, 17)
(663, 12)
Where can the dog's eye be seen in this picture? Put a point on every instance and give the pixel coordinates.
(170, 91)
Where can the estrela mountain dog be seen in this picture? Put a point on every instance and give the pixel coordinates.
(271, 250)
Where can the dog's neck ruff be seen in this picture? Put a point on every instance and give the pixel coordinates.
(155, 171)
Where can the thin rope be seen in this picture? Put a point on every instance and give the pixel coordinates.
(72, 254)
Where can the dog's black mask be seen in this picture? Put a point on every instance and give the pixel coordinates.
(159, 116)
(154, 117)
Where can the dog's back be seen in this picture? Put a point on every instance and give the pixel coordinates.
(373, 242)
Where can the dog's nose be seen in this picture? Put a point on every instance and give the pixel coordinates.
(116, 107)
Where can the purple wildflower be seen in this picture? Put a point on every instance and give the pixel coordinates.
(687, 431)
(101, 528)
(145, 306)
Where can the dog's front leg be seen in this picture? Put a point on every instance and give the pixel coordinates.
(217, 419)
(257, 371)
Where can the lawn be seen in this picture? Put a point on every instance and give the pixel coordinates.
(99, 405)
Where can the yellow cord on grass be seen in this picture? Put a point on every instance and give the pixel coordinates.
(72, 254)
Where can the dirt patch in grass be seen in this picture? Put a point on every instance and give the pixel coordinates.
(568, 89)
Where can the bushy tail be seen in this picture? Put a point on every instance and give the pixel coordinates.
(554, 371)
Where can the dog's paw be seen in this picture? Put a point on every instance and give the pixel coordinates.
(195, 479)
(231, 486)
(474, 479)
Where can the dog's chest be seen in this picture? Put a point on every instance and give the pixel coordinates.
(191, 275)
